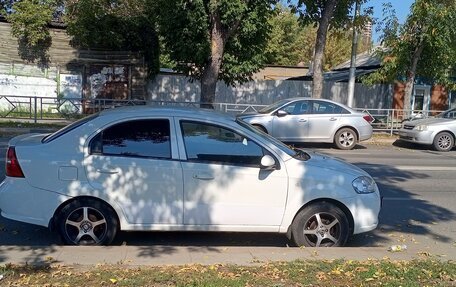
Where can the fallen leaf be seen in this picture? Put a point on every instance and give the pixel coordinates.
(113, 281)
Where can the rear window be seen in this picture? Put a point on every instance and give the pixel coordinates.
(68, 128)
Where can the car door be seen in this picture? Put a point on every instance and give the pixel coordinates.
(223, 182)
(323, 120)
(131, 163)
(292, 126)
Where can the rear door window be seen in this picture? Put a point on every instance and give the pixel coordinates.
(148, 138)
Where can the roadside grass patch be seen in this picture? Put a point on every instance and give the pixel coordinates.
(297, 273)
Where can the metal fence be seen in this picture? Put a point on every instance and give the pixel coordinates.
(53, 109)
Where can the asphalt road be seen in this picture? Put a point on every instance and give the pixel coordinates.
(418, 186)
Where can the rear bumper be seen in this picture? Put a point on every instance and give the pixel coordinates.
(365, 132)
(21, 202)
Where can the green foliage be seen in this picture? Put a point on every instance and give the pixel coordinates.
(186, 30)
(292, 43)
(29, 24)
(311, 12)
(127, 25)
(430, 25)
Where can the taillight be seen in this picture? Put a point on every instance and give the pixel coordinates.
(368, 118)
(13, 169)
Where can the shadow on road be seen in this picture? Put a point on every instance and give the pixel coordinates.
(401, 211)
(413, 146)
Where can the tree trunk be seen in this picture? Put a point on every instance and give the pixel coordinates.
(320, 45)
(411, 74)
(212, 69)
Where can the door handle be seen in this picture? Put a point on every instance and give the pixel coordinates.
(333, 119)
(302, 120)
(203, 177)
(107, 171)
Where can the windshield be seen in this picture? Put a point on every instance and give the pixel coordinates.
(450, 114)
(274, 106)
(283, 147)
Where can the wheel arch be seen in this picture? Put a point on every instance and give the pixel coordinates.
(53, 220)
(445, 131)
(345, 210)
(261, 126)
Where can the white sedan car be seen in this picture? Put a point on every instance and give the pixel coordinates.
(439, 131)
(312, 120)
(145, 168)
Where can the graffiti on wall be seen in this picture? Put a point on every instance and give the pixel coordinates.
(108, 82)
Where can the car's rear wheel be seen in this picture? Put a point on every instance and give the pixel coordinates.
(443, 141)
(345, 139)
(320, 225)
(87, 222)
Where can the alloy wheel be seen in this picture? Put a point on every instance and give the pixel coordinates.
(86, 226)
(322, 229)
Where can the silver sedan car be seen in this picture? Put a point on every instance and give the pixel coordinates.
(439, 131)
(313, 120)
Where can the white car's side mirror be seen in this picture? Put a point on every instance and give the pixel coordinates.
(268, 162)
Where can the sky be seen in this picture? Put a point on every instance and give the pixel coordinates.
(402, 8)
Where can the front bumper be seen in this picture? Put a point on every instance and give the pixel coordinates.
(414, 136)
(365, 209)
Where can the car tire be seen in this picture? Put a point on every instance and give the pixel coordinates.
(321, 224)
(345, 139)
(87, 222)
(261, 128)
(443, 141)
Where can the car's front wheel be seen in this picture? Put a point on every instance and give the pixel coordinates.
(443, 141)
(87, 222)
(321, 224)
(345, 139)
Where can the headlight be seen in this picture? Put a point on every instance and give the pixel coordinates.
(364, 184)
(420, 127)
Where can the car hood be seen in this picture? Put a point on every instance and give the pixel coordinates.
(331, 164)
(251, 115)
(429, 121)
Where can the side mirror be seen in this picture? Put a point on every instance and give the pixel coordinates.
(281, 113)
(268, 162)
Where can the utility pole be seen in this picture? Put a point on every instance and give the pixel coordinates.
(352, 74)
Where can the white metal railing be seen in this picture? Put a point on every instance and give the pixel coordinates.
(51, 108)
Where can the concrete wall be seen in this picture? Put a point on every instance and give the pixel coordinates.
(181, 89)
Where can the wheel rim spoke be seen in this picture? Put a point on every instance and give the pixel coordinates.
(332, 224)
(319, 239)
(318, 218)
(99, 222)
(330, 237)
(86, 213)
(78, 238)
(93, 236)
(310, 231)
(73, 223)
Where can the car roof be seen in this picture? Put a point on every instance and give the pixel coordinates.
(147, 110)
